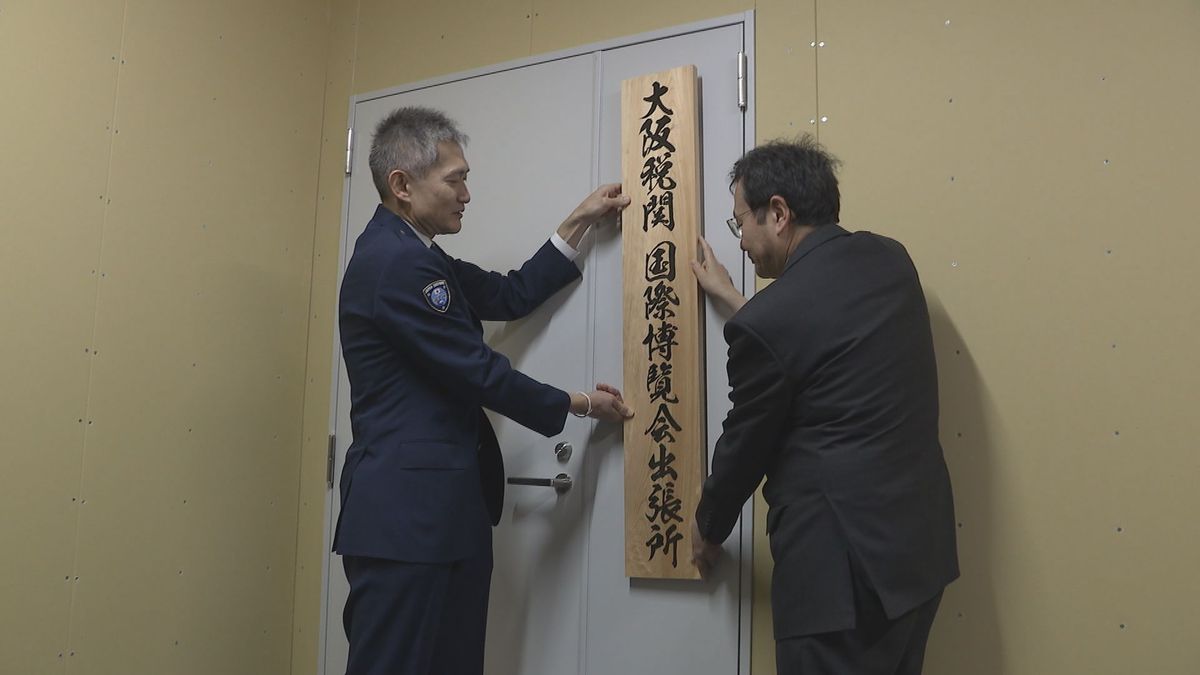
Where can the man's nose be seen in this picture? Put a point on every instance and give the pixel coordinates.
(466, 195)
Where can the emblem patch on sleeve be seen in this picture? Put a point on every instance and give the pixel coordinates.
(437, 295)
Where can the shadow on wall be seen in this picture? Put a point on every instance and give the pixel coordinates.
(966, 635)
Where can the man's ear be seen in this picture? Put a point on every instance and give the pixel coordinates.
(400, 185)
(778, 213)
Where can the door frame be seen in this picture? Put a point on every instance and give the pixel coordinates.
(746, 528)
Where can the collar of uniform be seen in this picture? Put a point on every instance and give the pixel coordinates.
(399, 225)
(814, 239)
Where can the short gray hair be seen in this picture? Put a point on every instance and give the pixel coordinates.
(407, 140)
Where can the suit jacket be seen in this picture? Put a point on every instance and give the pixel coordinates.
(423, 479)
(835, 402)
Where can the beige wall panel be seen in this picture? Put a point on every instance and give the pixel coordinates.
(187, 536)
(785, 71)
(1039, 171)
(311, 553)
(785, 104)
(407, 42)
(559, 24)
(58, 79)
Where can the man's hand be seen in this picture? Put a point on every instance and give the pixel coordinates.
(607, 405)
(715, 280)
(605, 201)
(704, 554)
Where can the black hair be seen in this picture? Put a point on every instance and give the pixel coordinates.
(800, 171)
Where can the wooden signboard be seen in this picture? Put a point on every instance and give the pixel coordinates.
(665, 450)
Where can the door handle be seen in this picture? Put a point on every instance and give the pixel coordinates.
(561, 483)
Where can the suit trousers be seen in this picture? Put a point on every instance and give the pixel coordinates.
(876, 645)
(407, 618)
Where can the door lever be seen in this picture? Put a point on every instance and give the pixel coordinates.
(561, 483)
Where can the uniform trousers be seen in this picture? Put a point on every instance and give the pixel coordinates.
(405, 618)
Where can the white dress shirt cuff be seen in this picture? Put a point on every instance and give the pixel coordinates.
(563, 247)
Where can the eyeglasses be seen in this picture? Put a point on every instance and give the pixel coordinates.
(734, 223)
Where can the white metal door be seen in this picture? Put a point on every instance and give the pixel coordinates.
(531, 162)
(543, 134)
(680, 626)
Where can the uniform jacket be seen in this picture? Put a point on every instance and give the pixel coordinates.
(423, 480)
(835, 402)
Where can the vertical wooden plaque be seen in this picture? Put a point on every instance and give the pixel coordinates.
(665, 450)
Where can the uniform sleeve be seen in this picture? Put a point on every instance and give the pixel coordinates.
(750, 439)
(416, 309)
(569, 252)
(500, 297)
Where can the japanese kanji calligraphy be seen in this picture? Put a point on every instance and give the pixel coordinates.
(665, 448)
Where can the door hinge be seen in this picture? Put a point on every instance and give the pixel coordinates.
(349, 148)
(742, 81)
(329, 462)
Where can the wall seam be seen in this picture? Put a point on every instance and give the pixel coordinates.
(532, 16)
(312, 280)
(98, 273)
(817, 68)
(316, 226)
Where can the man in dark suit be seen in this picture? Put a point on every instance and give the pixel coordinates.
(423, 480)
(835, 402)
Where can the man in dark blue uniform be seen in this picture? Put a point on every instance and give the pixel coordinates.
(835, 402)
(423, 481)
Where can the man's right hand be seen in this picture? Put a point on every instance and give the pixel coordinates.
(715, 280)
(605, 201)
(704, 554)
